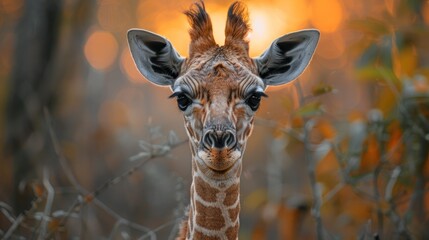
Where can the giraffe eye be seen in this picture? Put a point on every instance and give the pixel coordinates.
(183, 101)
(253, 101)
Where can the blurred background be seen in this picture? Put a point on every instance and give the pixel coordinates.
(91, 150)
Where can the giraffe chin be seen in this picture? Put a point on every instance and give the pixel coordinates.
(219, 160)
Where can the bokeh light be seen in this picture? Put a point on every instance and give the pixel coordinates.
(268, 22)
(326, 15)
(101, 49)
(10, 6)
(426, 12)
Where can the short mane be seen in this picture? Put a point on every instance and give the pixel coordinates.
(201, 30)
(237, 25)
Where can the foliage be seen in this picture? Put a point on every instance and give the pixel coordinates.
(368, 175)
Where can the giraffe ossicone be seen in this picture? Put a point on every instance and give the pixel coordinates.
(218, 89)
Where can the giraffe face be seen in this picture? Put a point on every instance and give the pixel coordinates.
(218, 88)
(218, 104)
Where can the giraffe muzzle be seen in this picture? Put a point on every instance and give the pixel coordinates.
(219, 139)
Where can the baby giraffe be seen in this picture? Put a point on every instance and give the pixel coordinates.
(218, 89)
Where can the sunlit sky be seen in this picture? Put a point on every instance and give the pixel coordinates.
(269, 20)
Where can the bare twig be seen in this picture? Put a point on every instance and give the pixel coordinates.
(392, 181)
(311, 166)
(417, 206)
(149, 234)
(328, 196)
(7, 211)
(178, 213)
(48, 206)
(86, 197)
(130, 171)
(367, 231)
(315, 188)
(380, 216)
(12, 229)
(300, 92)
(60, 156)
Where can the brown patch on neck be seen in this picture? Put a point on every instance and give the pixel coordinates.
(204, 190)
(209, 217)
(232, 194)
(233, 213)
(201, 30)
(232, 232)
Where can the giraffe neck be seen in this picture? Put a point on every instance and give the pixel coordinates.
(215, 203)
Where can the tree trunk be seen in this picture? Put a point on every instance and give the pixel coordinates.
(30, 90)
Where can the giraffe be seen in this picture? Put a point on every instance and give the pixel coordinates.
(218, 89)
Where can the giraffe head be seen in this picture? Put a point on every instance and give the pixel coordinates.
(219, 88)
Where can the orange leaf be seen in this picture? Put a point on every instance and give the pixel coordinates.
(404, 61)
(54, 224)
(371, 155)
(88, 198)
(394, 145)
(328, 165)
(353, 206)
(290, 221)
(387, 101)
(326, 129)
(38, 190)
(355, 116)
(297, 122)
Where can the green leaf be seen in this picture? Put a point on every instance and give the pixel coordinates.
(370, 26)
(322, 88)
(372, 73)
(310, 109)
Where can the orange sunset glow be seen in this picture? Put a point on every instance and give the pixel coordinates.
(268, 21)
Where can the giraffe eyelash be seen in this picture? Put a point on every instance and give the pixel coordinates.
(258, 94)
(175, 94)
(178, 93)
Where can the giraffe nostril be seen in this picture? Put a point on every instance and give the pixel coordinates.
(209, 139)
(229, 139)
(219, 139)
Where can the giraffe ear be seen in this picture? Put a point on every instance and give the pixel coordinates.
(287, 57)
(154, 56)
